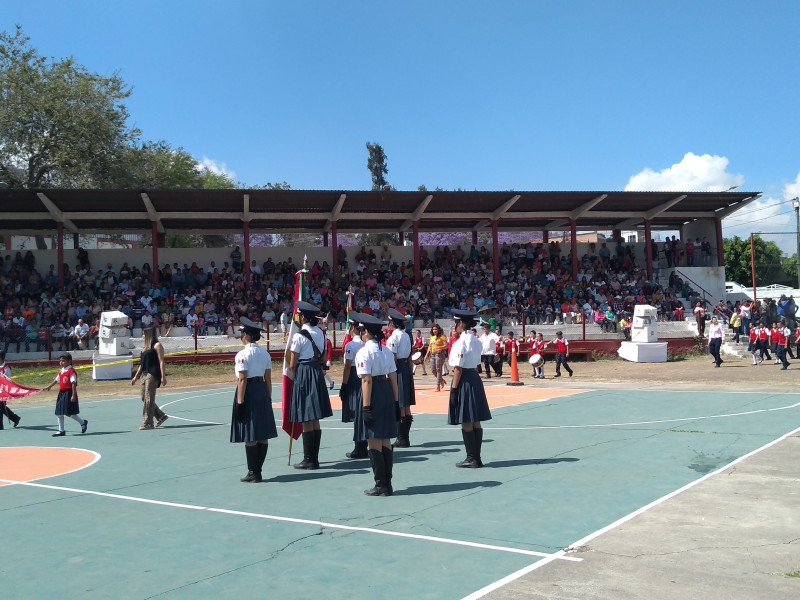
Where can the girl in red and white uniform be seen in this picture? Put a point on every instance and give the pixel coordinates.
(418, 345)
(763, 341)
(775, 342)
(784, 334)
(752, 347)
(5, 370)
(537, 347)
(562, 356)
(510, 346)
(67, 399)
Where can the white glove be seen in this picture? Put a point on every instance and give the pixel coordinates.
(328, 364)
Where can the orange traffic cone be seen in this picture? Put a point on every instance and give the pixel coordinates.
(514, 371)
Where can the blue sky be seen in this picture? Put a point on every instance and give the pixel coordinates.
(525, 95)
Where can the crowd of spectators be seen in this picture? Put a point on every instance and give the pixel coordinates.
(535, 282)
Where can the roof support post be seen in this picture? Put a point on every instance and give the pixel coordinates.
(335, 246)
(474, 237)
(60, 253)
(415, 243)
(324, 239)
(648, 249)
(495, 252)
(76, 241)
(720, 243)
(573, 244)
(154, 244)
(545, 236)
(246, 229)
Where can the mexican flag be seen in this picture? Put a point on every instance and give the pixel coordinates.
(300, 294)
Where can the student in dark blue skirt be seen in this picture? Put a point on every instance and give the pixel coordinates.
(67, 401)
(375, 365)
(468, 404)
(350, 392)
(253, 421)
(310, 400)
(399, 343)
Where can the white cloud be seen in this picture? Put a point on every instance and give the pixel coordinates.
(772, 217)
(693, 173)
(218, 168)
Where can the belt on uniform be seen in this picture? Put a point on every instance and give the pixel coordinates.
(380, 377)
(468, 369)
(308, 361)
(255, 379)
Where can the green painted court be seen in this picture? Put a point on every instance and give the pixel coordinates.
(162, 514)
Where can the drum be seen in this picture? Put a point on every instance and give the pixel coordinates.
(536, 360)
(417, 358)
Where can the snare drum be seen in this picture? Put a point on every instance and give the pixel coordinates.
(536, 360)
(417, 358)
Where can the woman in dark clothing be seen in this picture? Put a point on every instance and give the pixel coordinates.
(151, 371)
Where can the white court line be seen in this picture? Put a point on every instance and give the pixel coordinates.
(239, 513)
(584, 540)
(588, 426)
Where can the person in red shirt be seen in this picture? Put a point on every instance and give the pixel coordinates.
(537, 347)
(752, 347)
(511, 346)
(562, 353)
(5, 370)
(67, 400)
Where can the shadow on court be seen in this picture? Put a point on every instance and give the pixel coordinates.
(445, 487)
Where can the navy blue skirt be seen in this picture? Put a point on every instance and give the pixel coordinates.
(472, 404)
(310, 400)
(254, 421)
(64, 407)
(353, 397)
(405, 384)
(384, 424)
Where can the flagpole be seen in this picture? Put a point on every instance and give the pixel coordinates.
(300, 283)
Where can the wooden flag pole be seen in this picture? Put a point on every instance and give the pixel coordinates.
(291, 439)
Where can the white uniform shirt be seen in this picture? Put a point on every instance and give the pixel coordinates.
(488, 343)
(302, 347)
(352, 348)
(253, 359)
(5, 370)
(400, 344)
(374, 360)
(466, 351)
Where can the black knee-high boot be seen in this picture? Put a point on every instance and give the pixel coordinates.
(359, 450)
(469, 444)
(253, 474)
(409, 421)
(309, 443)
(388, 463)
(262, 456)
(379, 471)
(478, 443)
(317, 442)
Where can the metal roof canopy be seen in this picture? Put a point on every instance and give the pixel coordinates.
(281, 211)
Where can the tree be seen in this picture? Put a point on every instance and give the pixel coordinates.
(376, 163)
(60, 125)
(768, 261)
(158, 166)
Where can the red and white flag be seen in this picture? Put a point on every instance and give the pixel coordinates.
(11, 391)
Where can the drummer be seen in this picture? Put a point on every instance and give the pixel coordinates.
(350, 391)
(468, 404)
(400, 344)
(377, 369)
(537, 347)
(310, 400)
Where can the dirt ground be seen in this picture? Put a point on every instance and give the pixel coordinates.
(681, 373)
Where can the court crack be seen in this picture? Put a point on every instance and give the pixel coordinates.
(747, 548)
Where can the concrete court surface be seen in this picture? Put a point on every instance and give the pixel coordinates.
(733, 536)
